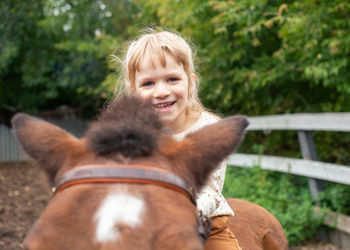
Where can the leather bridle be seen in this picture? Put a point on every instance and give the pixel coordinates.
(136, 174)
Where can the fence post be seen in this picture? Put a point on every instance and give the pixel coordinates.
(308, 151)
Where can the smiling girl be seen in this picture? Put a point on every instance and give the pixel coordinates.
(159, 68)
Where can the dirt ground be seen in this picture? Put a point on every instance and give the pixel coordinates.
(25, 191)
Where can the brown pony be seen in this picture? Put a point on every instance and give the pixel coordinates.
(150, 206)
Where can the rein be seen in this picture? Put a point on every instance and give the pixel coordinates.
(137, 174)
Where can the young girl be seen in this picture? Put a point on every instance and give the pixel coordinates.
(159, 68)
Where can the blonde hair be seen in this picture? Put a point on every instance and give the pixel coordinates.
(155, 46)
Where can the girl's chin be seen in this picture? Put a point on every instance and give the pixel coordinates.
(166, 119)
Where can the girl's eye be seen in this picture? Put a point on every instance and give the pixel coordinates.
(173, 79)
(147, 84)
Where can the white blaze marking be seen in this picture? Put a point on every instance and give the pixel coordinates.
(117, 208)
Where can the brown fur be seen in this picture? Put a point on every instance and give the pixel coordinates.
(131, 133)
(255, 227)
(130, 127)
(45, 143)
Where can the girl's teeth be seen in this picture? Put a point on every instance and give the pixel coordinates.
(162, 105)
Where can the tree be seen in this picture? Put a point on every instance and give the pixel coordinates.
(263, 57)
(56, 52)
(17, 33)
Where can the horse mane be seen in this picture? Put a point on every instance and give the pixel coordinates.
(128, 126)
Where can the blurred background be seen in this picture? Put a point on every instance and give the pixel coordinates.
(254, 57)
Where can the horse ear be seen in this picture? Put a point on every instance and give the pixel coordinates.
(47, 144)
(202, 151)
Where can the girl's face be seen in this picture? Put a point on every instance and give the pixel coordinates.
(167, 89)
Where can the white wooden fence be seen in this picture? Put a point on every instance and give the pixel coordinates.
(316, 171)
(304, 124)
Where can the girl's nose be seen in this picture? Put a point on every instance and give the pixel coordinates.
(161, 90)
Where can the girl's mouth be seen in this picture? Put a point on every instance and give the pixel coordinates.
(164, 105)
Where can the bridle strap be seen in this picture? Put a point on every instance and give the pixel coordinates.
(135, 174)
(119, 173)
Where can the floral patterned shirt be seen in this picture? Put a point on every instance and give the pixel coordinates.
(210, 200)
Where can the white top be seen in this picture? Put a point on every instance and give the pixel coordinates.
(210, 200)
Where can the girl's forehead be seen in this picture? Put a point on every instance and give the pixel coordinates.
(152, 61)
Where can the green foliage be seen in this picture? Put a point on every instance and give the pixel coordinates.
(285, 196)
(332, 146)
(336, 197)
(263, 57)
(255, 57)
(56, 52)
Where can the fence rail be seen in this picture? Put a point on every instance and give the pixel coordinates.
(302, 122)
(313, 169)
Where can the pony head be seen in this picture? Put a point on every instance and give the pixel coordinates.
(124, 215)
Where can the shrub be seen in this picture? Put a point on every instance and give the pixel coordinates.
(285, 196)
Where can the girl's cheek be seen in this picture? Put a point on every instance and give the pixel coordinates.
(144, 95)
